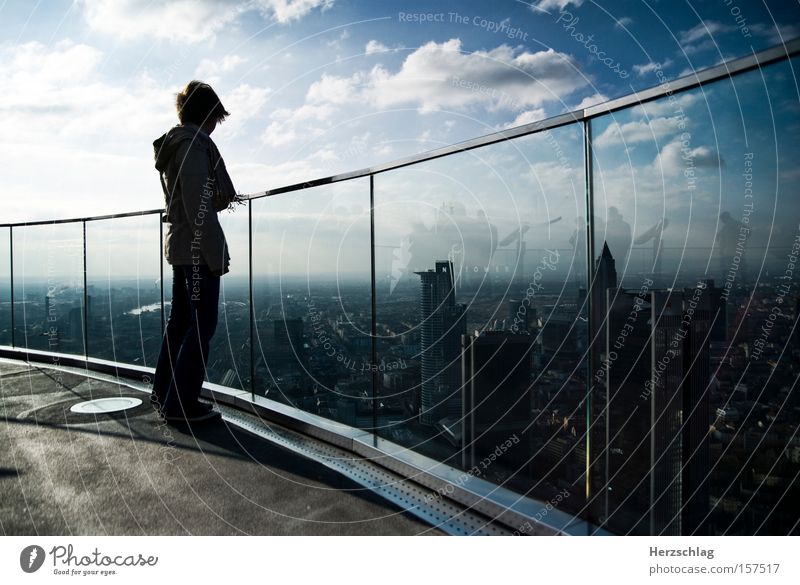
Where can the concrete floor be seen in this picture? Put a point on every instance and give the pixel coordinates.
(129, 473)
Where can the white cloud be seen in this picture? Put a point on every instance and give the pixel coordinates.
(597, 98)
(674, 159)
(336, 44)
(181, 21)
(636, 131)
(527, 117)
(670, 107)
(443, 76)
(57, 93)
(288, 10)
(707, 28)
(188, 21)
(284, 128)
(547, 5)
(244, 102)
(256, 177)
(779, 33)
(333, 90)
(210, 70)
(384, 150)
(31, 68)
(660, 185)
(502, 79)
(623, 23)
(651, 67)
(93, 137)
(374, 46)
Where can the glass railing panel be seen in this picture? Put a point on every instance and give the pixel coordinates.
(696, 296)
(123, 289)
(48, 287)
(5, 286)
(229, 351)
(312, 300)
(480, 300)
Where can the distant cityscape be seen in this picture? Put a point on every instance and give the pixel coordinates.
(691, 416)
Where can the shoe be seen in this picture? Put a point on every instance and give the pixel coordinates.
(198, 413)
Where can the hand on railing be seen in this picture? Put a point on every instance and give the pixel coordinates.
(237, 199)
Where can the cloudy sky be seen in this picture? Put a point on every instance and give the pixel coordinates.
(317, 87)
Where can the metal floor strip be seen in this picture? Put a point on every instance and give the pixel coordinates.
(440, 512)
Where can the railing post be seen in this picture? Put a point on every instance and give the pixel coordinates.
(374, 324)
(161, 268)
(587, 171)
(11, 272)
(250, 295)
(85, 299)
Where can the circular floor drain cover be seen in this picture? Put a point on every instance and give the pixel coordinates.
(105, 405)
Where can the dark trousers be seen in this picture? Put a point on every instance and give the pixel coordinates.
(181, 366)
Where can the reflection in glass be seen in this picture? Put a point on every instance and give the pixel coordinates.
(229, 350)
(5, 286)
(480, 294)
(48, 287)
(312, 301)
(695, 411)
(123, 289)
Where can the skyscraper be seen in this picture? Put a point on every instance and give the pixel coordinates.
(668, 358)
(656, 440)
(496, 394)
(442, 322)
(605, 277)
(696, 407)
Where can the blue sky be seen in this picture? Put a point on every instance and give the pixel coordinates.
(317, 87)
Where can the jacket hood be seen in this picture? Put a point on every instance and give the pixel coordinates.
(165, 146)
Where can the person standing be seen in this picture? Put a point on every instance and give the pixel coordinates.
(196, 186)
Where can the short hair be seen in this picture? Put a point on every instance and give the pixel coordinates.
(198, 103)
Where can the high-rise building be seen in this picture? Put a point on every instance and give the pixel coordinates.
(605, 277)
(496, 395)
(75, 324)
(668, 353)
(696, 403)
(46, 322)
(442, 322)
(522, 317)
(624, 447)
(657, 404)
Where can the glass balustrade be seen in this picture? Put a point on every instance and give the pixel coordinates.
(481, 311)
(229, 351)
(123, 289)
(696, 237)
(48, 287)
(312, 301)
(636, 363)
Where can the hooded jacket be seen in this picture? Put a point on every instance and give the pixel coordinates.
(196, 186)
